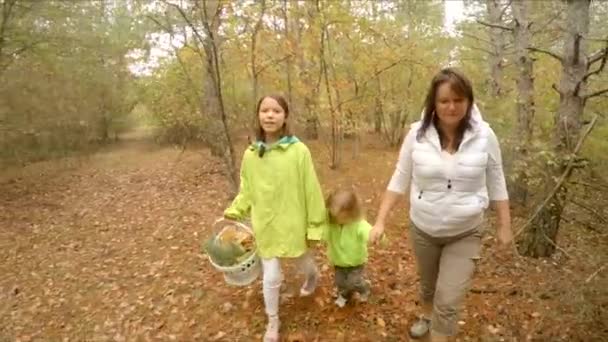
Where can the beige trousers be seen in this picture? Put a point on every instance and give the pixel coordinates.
(445, 266)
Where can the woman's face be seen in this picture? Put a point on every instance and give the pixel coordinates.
(450, 107)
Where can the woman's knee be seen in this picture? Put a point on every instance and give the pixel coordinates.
(446, 305)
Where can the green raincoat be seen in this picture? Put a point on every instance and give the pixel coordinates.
(283, 197)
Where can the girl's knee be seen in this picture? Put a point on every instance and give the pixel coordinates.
(272, 275)
(272, 280)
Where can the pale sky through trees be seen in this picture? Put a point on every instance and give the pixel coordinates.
(163, 45)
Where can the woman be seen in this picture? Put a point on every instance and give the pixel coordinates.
(450, 165)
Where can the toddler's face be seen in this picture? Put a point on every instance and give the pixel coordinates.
(343, 217)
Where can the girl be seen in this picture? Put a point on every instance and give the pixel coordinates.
(280, 190)
(347, 235)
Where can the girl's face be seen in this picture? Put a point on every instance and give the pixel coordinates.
(450, 107)
(271, 116)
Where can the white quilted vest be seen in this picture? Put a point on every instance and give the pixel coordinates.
(450, 201)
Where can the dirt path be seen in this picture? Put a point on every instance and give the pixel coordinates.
(106, 248)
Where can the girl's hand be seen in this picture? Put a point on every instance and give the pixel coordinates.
(376, 233)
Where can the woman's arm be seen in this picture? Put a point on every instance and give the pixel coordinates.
(497, 190)
(398, 185)
(388, 202)
(503, 218)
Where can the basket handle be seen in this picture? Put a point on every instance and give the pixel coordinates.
(237, 223)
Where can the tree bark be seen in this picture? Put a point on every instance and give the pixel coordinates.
(334, 108)
(497, 38)
(288, 61)
(540, 237)
(525, 98)
(254, 70)
(221, 143)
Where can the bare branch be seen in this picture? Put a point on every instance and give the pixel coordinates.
(477, 38)
(188, 21)
(504, 9)
(594, 94)
(599, 69)
(159, 24)
(598, 187)
(271, 63)
(481, 49)
(599, 54)
(595, 273)
(563, 177)
(495, 25)
(543, 26)
(591, 210)
(547, 52)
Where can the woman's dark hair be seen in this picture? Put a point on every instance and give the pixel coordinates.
(461, 85)
(259, 131)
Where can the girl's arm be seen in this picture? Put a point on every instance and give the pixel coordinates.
(241, 205)
(315, 203)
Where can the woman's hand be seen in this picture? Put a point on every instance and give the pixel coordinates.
(505, 236)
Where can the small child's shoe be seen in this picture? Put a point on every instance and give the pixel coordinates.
(309, 286)
(364, 297)
(341, 301)
(272, 330)
(420, 328)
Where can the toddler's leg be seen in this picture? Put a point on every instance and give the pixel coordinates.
(306, 263)
(342, 285)
(271, 288)
(359, 283)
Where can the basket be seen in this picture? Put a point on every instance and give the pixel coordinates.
(245, 272)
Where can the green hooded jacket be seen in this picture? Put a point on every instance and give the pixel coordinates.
(282, 195)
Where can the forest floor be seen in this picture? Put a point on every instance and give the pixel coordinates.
(107, 248)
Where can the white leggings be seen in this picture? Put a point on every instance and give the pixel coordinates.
(273, 278)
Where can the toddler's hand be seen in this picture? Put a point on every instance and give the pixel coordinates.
(376, 233)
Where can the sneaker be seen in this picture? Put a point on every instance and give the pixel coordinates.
(272, 330)
(420, 328)
(309, 286)
(364, 297)
(341, 301)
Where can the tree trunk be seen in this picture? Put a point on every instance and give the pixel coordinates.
(336, 117)
(540, 237)
(288, 62)
(254, 70)
(221, 144)
(498, 46)
(5, 17)
(525, 99)
(307, 65)
(378, 108)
